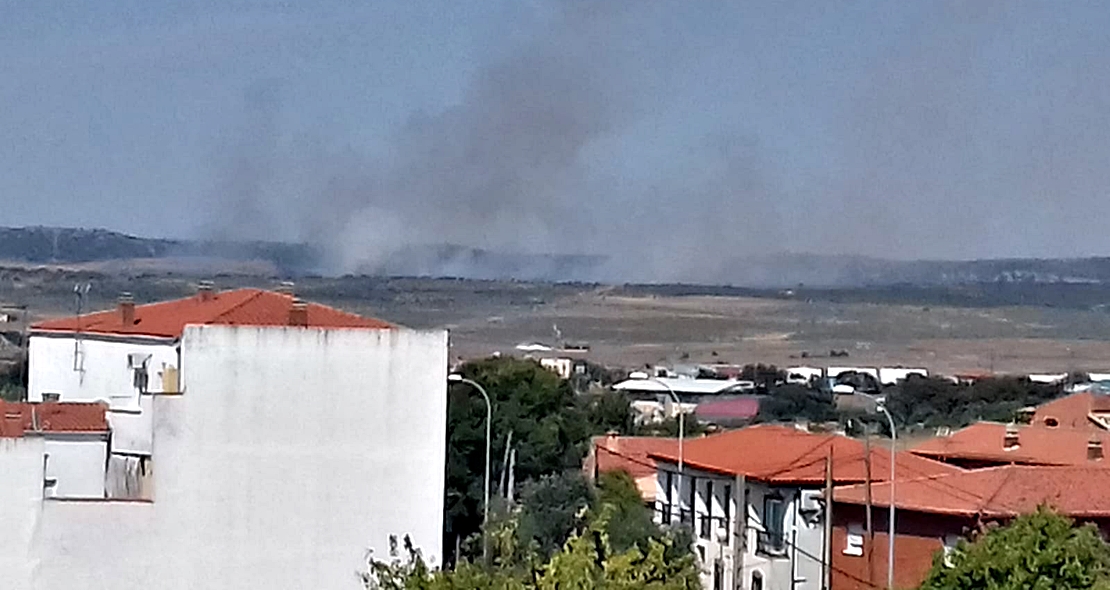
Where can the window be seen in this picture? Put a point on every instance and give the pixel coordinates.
(718, 575)
(707, 518)
(951, 542)
(688, 511)
(51, 396)
(668, 490)
(726, 502)
(853, 543)
(774, 517)
(757, 581)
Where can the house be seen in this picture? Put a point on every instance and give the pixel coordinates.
(68, 440)
(754, 500)
(630, 454)
(686, 388)
(1084, 410)
(561, 366)
(255, 440)
(933, 513)
(988, 444)
(892, 375)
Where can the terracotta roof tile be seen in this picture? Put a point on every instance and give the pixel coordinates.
(1074, 411)
(17, 419)
(1005, 491)
(782, 454)
(242, 307)
(630, 453)
(1037, 445)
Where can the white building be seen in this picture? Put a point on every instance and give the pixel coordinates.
(754, 499)
(256, 441)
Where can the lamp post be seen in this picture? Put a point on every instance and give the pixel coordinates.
(681, 419)
(880, 404)
(456, 378)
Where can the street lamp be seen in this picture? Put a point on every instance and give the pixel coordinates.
(456, 378)
(880, 404)
(681, 419)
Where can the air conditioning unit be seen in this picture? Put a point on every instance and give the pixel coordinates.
(811, 501)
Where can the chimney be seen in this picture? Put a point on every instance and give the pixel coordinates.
(126, 309)
(1094, 448)
(286, 288)
(612, 440)
(1010, 440)
(298, 313)
(205, 290)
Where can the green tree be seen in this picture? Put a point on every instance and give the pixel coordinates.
(549, 425)
(791, 402)
(1039, 551)
(551, 509)
(586, 561)
(630, 522)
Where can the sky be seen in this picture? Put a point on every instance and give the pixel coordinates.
(669, 136)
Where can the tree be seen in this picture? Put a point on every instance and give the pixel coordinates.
(548, 424)
(791, 402)
(587, 561)
(550, 510)
(1039, 551)
(932, 401)
(630, 522)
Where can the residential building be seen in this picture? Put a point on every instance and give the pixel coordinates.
(70, 442)
(631, 454)
(687, 389)
(754, 499)
(933, 513)
(256, 440)
(989, 444)
(1083, 410)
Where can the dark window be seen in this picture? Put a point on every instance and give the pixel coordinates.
(774, 516)
(667, 491)
(757, 581)
(707, 518)
(718, 575)
(726, 502)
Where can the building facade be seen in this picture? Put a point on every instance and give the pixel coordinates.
(755, 501)
(291, 440)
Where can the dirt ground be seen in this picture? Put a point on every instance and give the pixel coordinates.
(637, 331)
(633, 330)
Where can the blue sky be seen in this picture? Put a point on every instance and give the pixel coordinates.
(667, 132)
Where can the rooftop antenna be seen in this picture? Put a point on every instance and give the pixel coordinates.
(80, 292)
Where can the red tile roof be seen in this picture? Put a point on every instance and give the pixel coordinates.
(1001, 492)
(742, 408)
(783, 454)
(241, 307)
(630, 453)
(17, 419)
(1037, 445)
(1075, 411)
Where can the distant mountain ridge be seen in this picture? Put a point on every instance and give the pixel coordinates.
(60, 245)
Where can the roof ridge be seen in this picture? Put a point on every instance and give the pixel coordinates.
(255, 294)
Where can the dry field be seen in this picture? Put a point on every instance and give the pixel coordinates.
(628, 328)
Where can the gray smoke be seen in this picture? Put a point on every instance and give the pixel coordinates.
(924, 150)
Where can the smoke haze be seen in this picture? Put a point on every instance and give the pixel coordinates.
(655, 141)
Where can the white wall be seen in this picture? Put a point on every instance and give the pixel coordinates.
(798, 568)
(77, 463)
(20, 500)
(291, 452)
(101, 368)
